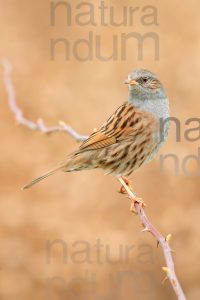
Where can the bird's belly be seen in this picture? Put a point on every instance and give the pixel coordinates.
(124, 159)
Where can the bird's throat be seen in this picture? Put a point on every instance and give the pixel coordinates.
(157, 106)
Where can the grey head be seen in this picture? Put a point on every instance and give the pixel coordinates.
(147, 93)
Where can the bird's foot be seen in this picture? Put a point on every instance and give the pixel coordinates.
(126, 188)
(138, 201)
(122, 189)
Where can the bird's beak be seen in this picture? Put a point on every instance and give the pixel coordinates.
(131, 82)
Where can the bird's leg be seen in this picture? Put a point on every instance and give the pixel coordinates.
(126, 189)
(122, 189)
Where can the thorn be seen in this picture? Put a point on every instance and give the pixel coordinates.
(168, 237)
(165, 269)
(163, 281)
(145, 230)
(172, 251)
(158, 243)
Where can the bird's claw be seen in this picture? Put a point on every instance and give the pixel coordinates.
(122, 189)
(138, 201)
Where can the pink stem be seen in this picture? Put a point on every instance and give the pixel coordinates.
(19, 116)
(169, 269)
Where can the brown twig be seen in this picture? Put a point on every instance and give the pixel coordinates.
(19, 116)
(163, 241)
(148, 227)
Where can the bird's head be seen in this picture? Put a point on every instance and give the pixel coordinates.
(144, 84)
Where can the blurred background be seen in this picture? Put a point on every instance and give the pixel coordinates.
(73, 236)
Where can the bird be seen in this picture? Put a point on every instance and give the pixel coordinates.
(130, 138)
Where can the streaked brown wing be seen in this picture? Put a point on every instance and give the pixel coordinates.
(127, 120)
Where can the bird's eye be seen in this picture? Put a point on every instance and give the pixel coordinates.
(144, 79)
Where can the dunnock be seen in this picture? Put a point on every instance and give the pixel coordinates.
(130, 137)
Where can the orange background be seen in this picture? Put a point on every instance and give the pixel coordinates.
(86, 206)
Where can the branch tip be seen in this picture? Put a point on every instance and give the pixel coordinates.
(18, 114)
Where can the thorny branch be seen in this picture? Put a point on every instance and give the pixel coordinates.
(19, 116)
(163, 241)
(148, 227)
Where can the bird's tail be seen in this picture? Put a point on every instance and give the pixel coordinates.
(76, 162)
(34, 181)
